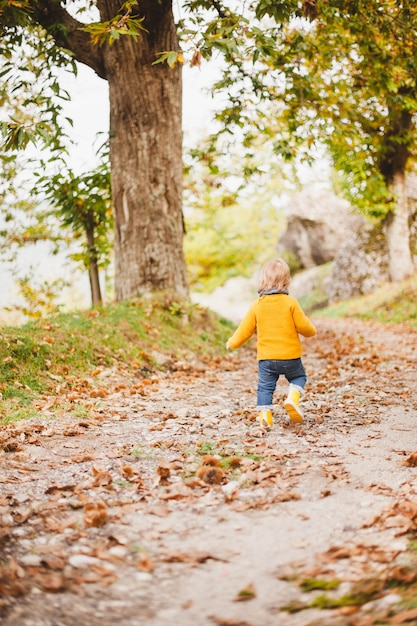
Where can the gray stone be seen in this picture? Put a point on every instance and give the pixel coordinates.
(361, 265)
(317, 226)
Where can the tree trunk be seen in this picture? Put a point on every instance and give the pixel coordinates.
(145, 144)
(146, 156)
(93, 272)
(398, 233)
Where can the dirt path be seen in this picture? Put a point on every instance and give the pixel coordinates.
(170, 507)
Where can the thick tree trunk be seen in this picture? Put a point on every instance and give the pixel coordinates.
(146, 156)
(145, 144)
(398, 233)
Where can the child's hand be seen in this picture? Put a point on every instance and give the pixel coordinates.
(227, 346)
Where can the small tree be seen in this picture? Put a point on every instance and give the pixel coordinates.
(83, 205)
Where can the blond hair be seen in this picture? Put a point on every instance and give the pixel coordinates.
(275, 274)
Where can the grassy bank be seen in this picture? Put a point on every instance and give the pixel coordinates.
(392, 303)
(49, 358)
(136, 339)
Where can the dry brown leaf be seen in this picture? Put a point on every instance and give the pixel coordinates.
(193, 558)
(411, 461)
(159, 510)
(99, 393)
(82, 458)
(49, 581)
(54, 489)
(402, 574)
(210, 475)
(71, 432)
(59, 525)
(210, 461)
(128, 471)
(220, 621)
(176, 492)
(11, 445)
(145, 563)
(101, 477)
(404, 616)
(53, 561)
(100, 575)
(95, 514)
(397, 521)
(12, 581)
(164, 472)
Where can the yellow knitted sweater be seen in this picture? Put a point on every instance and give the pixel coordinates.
(277, 319)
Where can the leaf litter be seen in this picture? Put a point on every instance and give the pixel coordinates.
(169, 505)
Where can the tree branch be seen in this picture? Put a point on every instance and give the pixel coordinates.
(218, 8)
(66, 32)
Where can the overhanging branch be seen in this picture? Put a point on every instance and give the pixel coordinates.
(66, 32)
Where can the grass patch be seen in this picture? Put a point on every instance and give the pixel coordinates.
(312, 584)
(38, 358)
(391, 303)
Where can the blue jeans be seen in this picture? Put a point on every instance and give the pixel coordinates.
(270, 370)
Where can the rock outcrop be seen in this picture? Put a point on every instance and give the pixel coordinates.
(361, 265)
(318, 225)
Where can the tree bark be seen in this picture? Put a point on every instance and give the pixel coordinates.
(145, 143)
(393, 167)
(398, 233)
(93, 272)
(146, 157)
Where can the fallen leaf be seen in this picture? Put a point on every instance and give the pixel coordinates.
(164, 472)
(193, 558)
(95, 514)
(220, 621)
(176, 492)
(49, 581)
(159, 510)
(210, 475)
(101, 477)
(145, 563)
(404, 616)
(411, 461)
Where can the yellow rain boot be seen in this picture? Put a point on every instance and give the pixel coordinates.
(265, 415)
(291, 404)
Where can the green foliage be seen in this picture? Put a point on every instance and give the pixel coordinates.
(124, 23)
(346, 79)
(222, 243)
(82, 203)
(172, 58)
(232, 224)
(17, 135)
(39, 298)
(31, 95)
(355, 88)
(361, 592)
(39, 356)
(312, 584)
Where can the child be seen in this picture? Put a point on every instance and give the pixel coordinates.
(278, 319)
